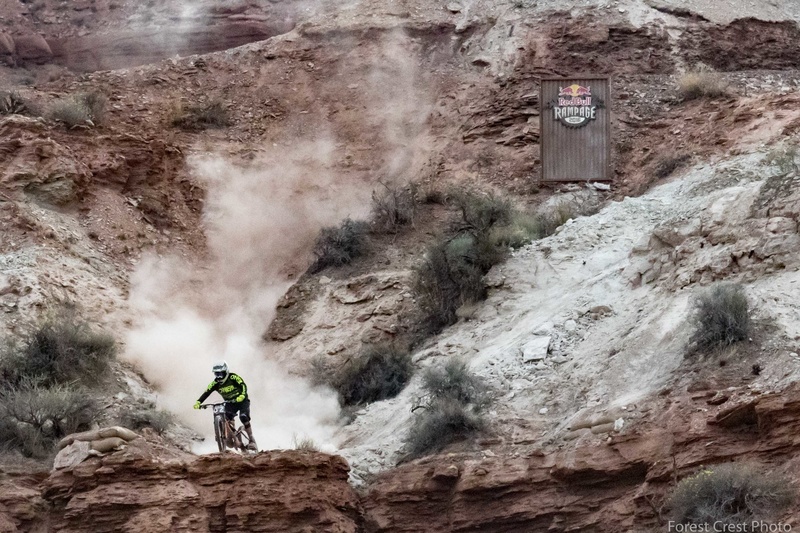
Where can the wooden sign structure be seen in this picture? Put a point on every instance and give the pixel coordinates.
(576, 129)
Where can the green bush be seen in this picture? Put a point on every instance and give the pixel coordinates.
(34, 417)
(146, 417)
(438, 293)
(337, 246)
(394, 207)
(730, 495)
(452, 408)
(721, 318)
(200, 117)
(380, 371)
(70, 112)
(62, 349)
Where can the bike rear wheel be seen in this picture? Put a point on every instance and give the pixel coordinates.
(242, 440)
(219, 432)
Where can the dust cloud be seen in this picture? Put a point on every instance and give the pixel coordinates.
(394, 87)
(260, 223)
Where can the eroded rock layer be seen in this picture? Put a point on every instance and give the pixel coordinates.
(620, 484)
(273, 491)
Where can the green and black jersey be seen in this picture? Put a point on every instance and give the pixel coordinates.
(232, 389)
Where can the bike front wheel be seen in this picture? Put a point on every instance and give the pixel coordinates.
(219, 432)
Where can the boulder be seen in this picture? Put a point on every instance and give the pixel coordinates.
(32, 47)
(535, 349)
(7, 47)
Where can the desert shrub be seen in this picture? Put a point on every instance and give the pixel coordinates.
(731, 495)
(451, 272)
(61, 349)
(443, 423)
(11, 103)
(523, 229)
(199, 117)
(786, 159)
(451, 275)
(555, 217)
(378, 372)
(437, 291)
(697, 84)
(393, 207)
(85, 109)
(33, 417)
(479, 213)
(670, 164)
(304, 443)
(70, 112)
(455, 381)
(146, 417)
(526, 227)
(95, 102)
(720, 318)
(451, 409)
(340, 245)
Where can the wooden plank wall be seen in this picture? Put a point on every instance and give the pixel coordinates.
(571, 153)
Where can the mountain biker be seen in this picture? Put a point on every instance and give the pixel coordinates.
(234, 391)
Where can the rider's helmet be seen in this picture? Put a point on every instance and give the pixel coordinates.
(220, 372)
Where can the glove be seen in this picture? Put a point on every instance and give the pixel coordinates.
(239, 399)
(197, 404)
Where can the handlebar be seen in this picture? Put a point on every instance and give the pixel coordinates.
(207, 405)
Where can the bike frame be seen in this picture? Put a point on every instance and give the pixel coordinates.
(225, 433)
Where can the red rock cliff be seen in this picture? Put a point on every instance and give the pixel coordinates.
(281, 491)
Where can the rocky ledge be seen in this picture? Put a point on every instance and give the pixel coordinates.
(280, 491)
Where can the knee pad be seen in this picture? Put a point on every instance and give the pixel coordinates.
(244, 418)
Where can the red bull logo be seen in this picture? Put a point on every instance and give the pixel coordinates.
(574, 106)
(574, 90)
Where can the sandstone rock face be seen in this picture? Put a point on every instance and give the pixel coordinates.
(38, 165)
(128, 49)
(746, 232)
(21, 506)
(617, 485)
(279, 491)
(339, 316)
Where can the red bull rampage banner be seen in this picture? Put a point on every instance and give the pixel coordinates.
(575, 106)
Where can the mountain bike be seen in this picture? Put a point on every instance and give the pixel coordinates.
(225, 433)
